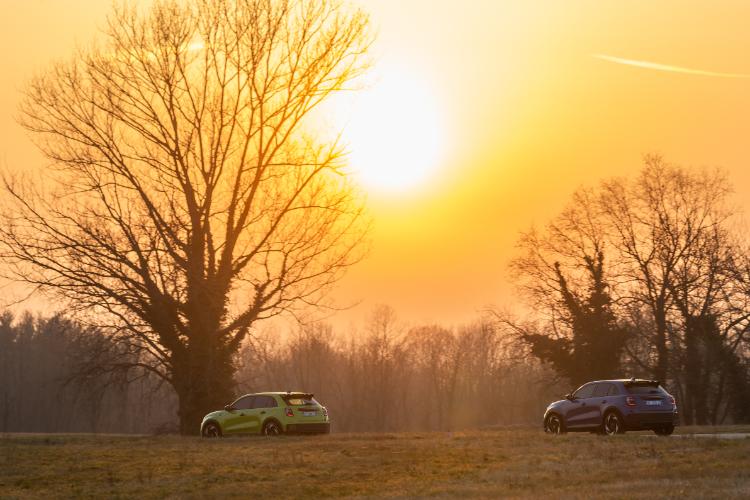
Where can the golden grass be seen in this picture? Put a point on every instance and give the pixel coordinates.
(491, 463)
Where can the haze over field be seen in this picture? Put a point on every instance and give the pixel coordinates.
(509, 108)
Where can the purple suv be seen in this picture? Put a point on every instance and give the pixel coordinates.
(613, 407)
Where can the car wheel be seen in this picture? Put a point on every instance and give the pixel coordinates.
(272, 428)
(664, 430)
(211, 430)
(554, 425)
(613, 424)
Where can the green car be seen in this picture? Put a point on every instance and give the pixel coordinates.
(268, 413)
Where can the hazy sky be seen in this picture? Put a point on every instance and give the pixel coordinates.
(525, 110)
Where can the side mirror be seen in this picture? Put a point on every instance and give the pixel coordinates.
(229, 408)
(569, 396)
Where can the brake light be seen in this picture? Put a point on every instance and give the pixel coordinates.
(630, 401)
(289, 412)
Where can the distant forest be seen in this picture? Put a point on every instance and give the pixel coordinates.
(386, 378)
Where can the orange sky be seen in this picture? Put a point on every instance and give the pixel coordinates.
(529, 114)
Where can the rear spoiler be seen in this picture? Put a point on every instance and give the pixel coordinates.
(303, 395)
(634, 381)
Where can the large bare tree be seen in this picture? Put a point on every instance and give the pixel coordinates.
(184, 201)
(660, 223)
(562, 270)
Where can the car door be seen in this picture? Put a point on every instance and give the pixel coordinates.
(262, 406)
(599, 402)
(237, 420)
(579, 412)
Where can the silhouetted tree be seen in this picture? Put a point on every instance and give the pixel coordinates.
(595, 343)
(563, 272)
(185, 202)
(656, 222)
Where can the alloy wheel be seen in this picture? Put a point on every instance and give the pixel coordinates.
(211, 431)
(271, 429)
(554, 425)
(612, 424)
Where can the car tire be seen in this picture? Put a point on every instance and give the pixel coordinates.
(211, 430)
(554, 424)
(272, 428)
(612, 424)
(664, 430)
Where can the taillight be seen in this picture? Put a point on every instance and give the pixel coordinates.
(630, 401)
(325, 412)
(674, 403)
(289, 412)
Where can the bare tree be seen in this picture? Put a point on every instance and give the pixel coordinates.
(657, 223)
(184, 202)
(562, 271)
(382, 354)
(437, 353)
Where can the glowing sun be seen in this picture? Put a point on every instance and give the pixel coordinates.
(394, 132)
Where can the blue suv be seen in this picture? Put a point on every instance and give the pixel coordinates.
(613, 407)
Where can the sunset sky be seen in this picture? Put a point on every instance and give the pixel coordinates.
(479, 119)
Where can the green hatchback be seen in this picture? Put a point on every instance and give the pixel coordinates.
(268, 413)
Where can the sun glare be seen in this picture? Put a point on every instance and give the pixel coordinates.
(393, 131)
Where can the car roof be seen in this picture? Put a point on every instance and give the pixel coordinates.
(279, 393)
(626, 380)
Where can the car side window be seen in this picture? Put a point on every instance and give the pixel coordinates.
(586, 391)
(244, 403)
(264, 402)
(613, 390)
(601, 390)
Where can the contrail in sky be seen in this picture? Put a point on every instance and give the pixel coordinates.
(666, 67)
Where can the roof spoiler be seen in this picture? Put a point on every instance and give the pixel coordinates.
(634, 381)
(305, 395)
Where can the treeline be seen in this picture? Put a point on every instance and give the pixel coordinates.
(388, 378)
(648, 276)
(54, 377)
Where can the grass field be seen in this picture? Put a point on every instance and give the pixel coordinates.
(490, 463)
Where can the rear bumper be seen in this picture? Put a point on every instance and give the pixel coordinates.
(636, 421)
(316, 428)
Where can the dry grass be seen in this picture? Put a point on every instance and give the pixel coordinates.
(491, 463)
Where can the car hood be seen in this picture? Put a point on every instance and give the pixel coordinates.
(556, 404)
(214, 414)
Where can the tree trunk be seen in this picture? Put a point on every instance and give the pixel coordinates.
(660, 372)
(691, 369)
(203, 381)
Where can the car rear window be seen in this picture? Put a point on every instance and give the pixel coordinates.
(645, 389)
(300, 400)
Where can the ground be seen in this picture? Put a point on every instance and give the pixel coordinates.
(489, 463)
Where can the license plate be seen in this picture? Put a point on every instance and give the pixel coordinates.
(653, 403)
(308, 413)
